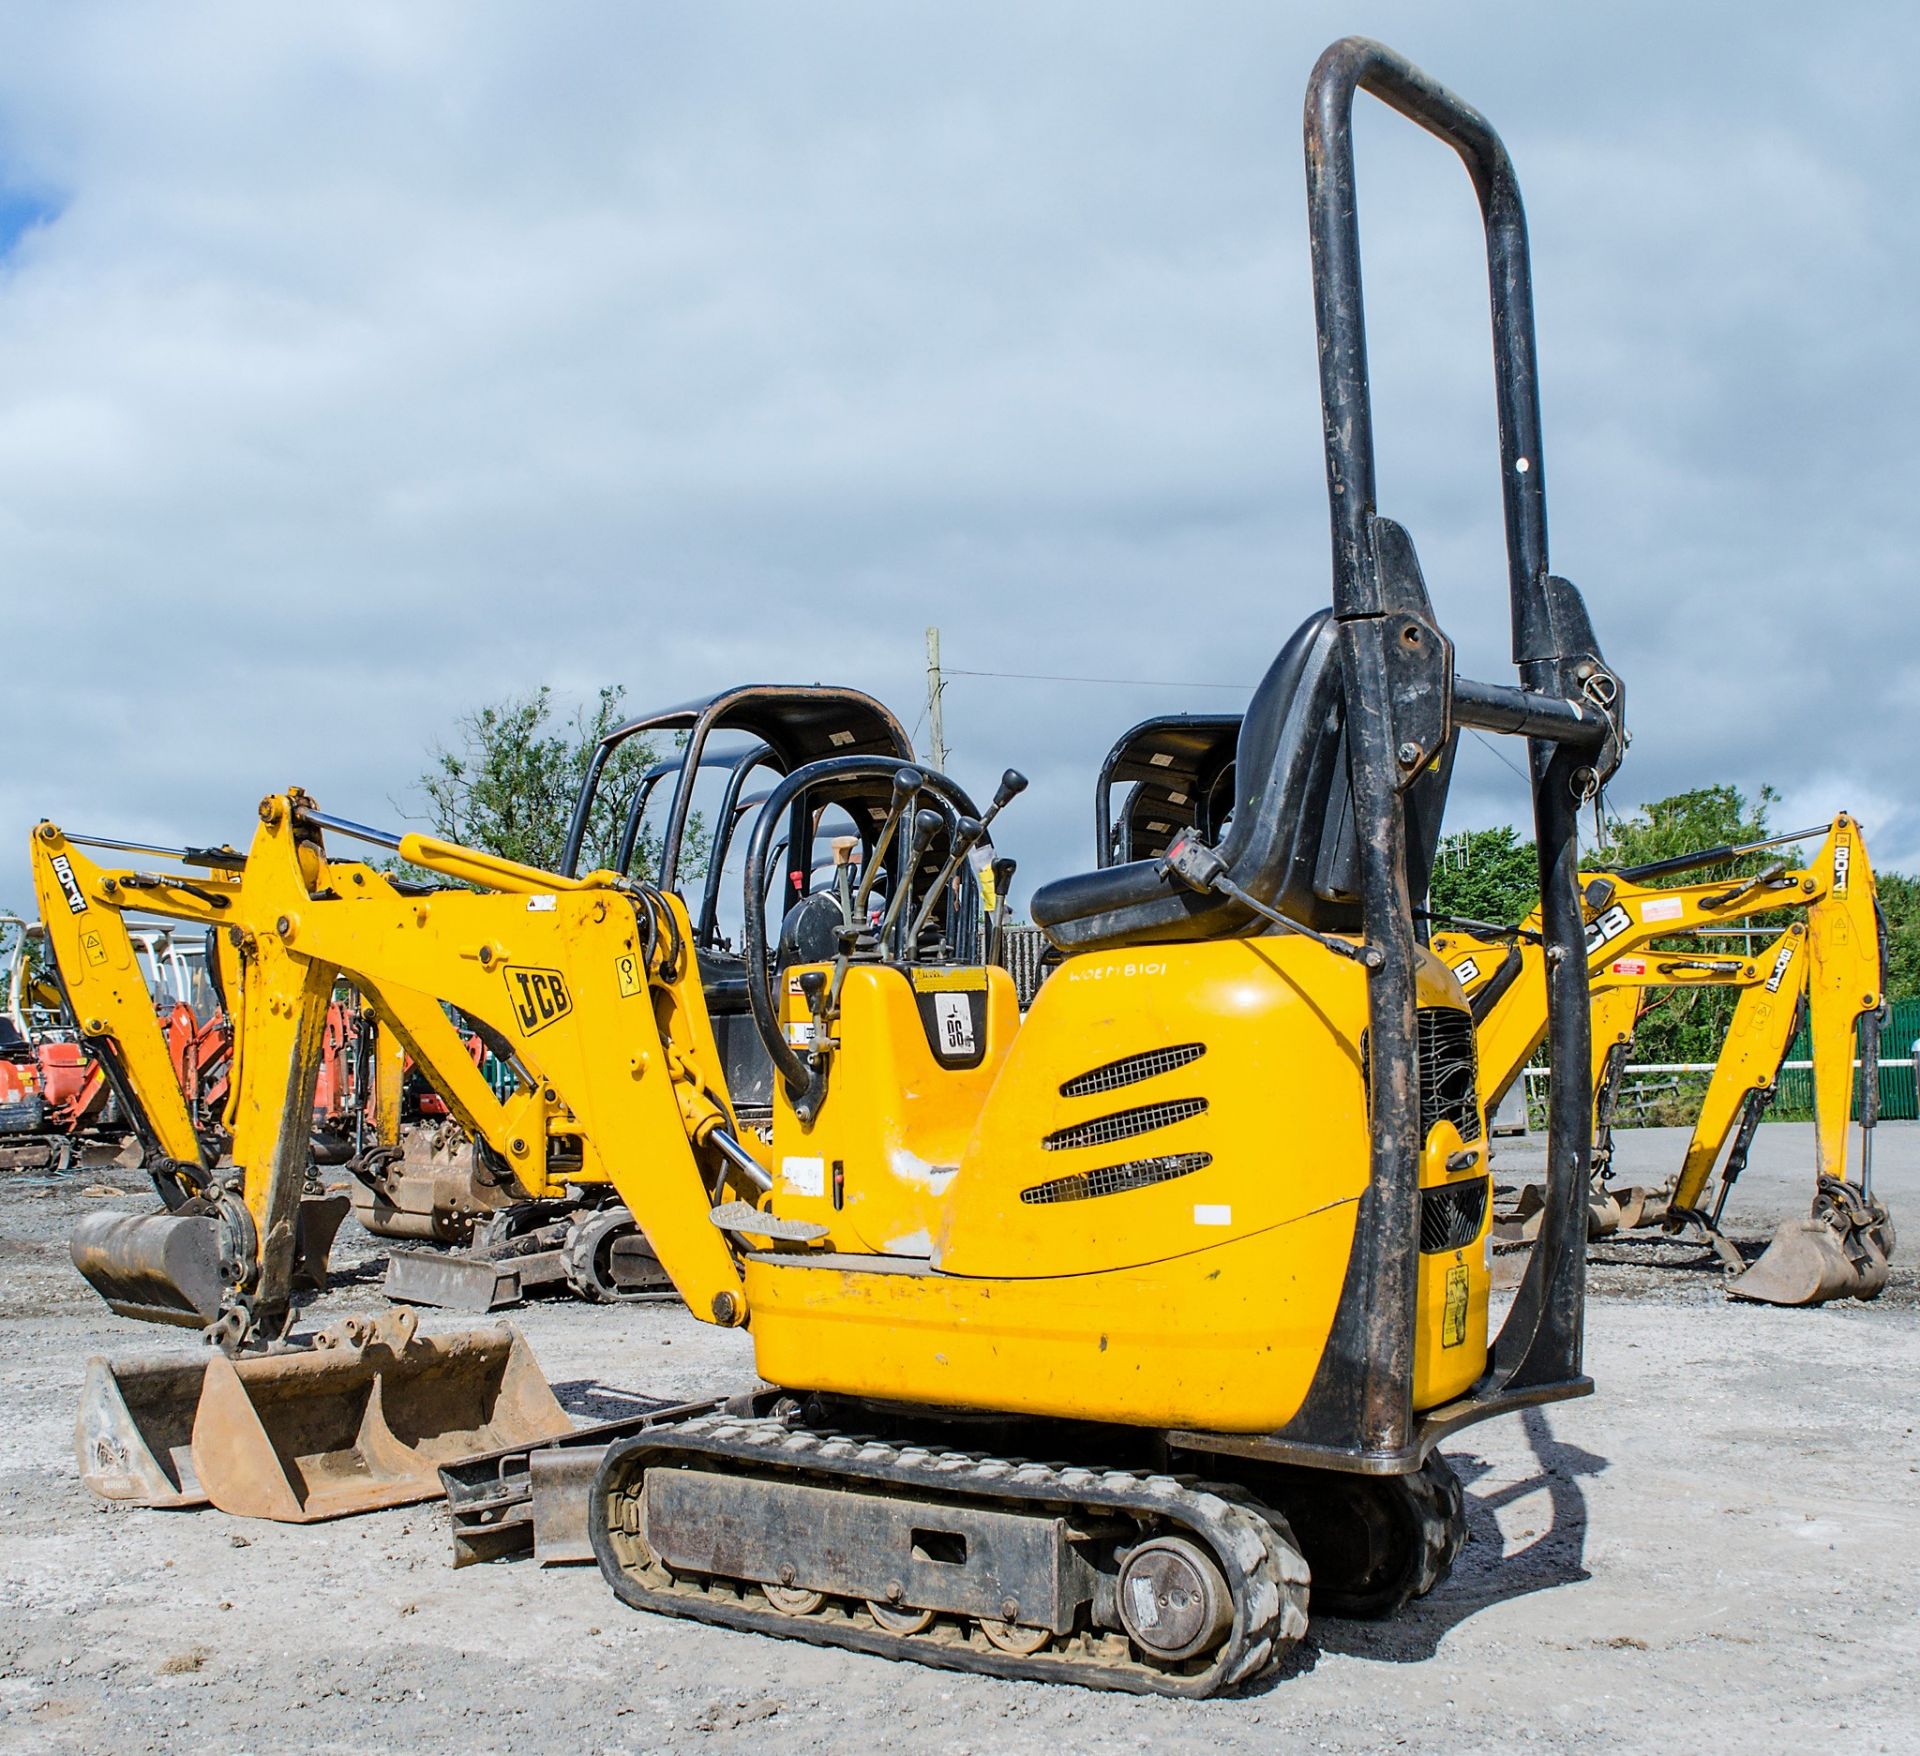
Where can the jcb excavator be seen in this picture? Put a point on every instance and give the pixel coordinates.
(56, 1101)
(1844, 1245)
(1208, 1229)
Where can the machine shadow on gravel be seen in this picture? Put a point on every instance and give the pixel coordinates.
(1484, 1576)
(605, 1402)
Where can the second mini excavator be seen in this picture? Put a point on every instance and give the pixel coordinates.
(1833, 959)
(1208, 1229)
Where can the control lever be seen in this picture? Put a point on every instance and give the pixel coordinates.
(1003, 870)
(1012, 784)
(926, 825)
(813, 988)
(1201, 868)
(843, 850)
(966, 837)
(907, 782)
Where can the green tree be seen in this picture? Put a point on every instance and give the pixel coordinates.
(1900, 906)
(508, 782)
(1487, 875)
(1692, 822)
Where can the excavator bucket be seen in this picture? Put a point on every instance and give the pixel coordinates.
(365, 1418)
(134, 1433)
(1841, 1250)
(166, 1267)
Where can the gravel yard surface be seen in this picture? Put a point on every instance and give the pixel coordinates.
(1720, 1550)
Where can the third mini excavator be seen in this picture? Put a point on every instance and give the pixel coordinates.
(1208, 1230)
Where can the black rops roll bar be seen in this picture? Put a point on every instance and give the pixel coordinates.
(1402, 704)
(806, 1084)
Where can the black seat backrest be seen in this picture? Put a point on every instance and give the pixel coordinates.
(1291, 840)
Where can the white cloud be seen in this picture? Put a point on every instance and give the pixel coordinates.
(384, 361)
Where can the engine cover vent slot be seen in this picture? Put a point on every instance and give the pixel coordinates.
(1449, 1217)
(1131, 1069)
(1140, 1173)
(1449, 1070)
(1124, 1124)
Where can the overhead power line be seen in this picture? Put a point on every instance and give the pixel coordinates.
(1109, 682)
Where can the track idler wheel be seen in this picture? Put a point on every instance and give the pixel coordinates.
(608, 1260)
(1172, 1599)
(1843, 1249)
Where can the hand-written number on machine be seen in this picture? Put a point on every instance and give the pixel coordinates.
(954, 1019)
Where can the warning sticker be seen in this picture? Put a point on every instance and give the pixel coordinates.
(94, 946)
(626, 968)
(1453, 1322)
(1663, 908)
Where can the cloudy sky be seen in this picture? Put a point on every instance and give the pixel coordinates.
(362, 364)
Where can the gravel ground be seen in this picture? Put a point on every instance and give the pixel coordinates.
(1721, 1547)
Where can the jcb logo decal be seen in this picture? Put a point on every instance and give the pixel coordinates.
(1607, 928)
(539, 996)
(1466, 970)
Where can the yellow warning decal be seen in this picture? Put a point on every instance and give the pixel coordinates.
(1453, 1324)
(95, 948)
(949, 981)
(627, 968)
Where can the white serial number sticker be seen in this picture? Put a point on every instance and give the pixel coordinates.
(1205, 1215)
(804, 1176)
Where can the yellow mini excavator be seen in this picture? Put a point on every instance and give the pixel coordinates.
(1099, 1339)
(1833, 960)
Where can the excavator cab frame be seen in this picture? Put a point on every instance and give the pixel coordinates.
(1178, 769)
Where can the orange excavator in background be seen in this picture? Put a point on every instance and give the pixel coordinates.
(57, 1103)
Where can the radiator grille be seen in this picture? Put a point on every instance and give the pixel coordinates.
(1448, 1071)
(1141, 1173)
(1124, 1124)
(1131, 1069)
(1450, 1217)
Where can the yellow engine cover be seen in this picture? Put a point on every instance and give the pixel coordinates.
(1151, 1219)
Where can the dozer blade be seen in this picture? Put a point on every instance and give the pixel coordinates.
(165, 1267)
(365, 1418)
(1841, 1250)
(134, 1433)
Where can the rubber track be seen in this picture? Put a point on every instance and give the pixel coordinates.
(1265, 1573)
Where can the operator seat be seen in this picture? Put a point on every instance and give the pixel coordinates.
(1291, 841)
